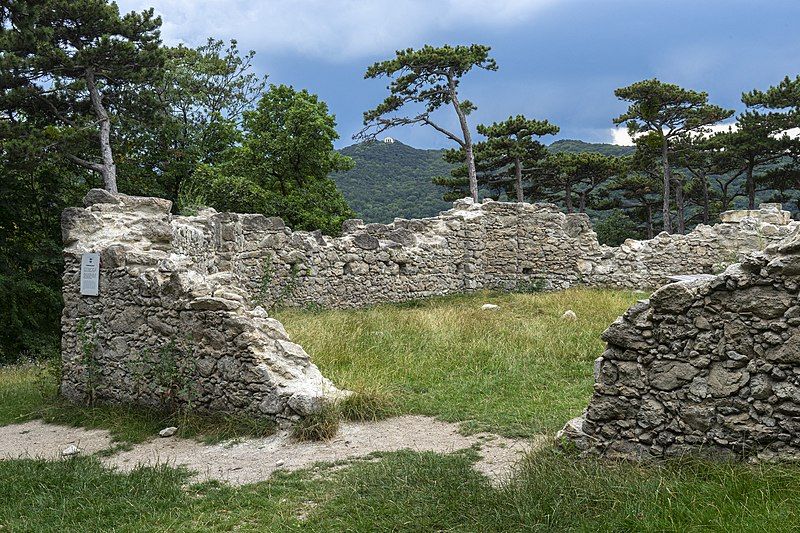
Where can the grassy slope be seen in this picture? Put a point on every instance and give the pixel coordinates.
(500, 369)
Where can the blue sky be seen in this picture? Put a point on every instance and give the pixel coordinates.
(559, 59)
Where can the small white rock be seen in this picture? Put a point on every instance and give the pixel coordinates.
(70, 450)
(569, 314)
(279, 463)
(168, 432)
(489, 307)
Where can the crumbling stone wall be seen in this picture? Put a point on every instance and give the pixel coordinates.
(709, 364)
(180, 318)
(471, 247)
(164, 330)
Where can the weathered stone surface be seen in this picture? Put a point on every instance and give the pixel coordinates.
(191, 292)
(669, 375)
(722, 373)
(170, 326)
(471, 247)
(724, 382)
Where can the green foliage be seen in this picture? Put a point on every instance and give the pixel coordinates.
(666, 110)
(81, 68)
(204, 93)
(265, 283)
(428, 78)
(659, 112)
(616, 228)
(392, 180)
(282, 166)
(505, 162)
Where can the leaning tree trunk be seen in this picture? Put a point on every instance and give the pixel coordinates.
(665, 205)
(518, 179)
(706, 199)
(469, 155)
(108, 170)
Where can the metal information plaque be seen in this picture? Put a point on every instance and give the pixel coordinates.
(90, 274)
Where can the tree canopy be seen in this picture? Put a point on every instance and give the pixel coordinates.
(427, 79)
(665, 111)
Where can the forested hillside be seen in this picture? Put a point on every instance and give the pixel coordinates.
(573, 146)
(393, 180)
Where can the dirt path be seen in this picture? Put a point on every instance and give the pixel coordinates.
(253, 460)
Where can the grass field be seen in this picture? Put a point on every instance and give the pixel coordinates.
(519, 370)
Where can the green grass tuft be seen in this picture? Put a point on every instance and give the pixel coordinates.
(367, 406)
(322, 425)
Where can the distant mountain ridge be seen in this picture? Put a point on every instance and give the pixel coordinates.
(575, 147)
(393, 179)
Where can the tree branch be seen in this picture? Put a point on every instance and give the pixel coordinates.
(84, 163)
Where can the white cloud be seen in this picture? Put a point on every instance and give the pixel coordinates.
(335, 30)
(621, 136)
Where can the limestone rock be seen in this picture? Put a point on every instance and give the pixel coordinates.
(490, 307)
(570, 315)
(70, 451)
(711, 365)
(168, 431)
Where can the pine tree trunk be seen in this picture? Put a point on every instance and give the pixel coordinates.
(108, 170)
(649, 221)
(469, 155)
(706, 200)
(751, 188)
(665, 206)
(568, 197)
(518, 179)
(680, 206)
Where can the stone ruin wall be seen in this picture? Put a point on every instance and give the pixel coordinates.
(166, 332)
(494, 245)
(708, 364)
(181, 317)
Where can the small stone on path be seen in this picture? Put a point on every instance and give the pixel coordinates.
(168, 432)
(490, 307)
(70, 450)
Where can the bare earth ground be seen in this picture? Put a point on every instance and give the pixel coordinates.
(253, 460)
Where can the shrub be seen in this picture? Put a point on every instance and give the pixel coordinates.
(615, 228)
